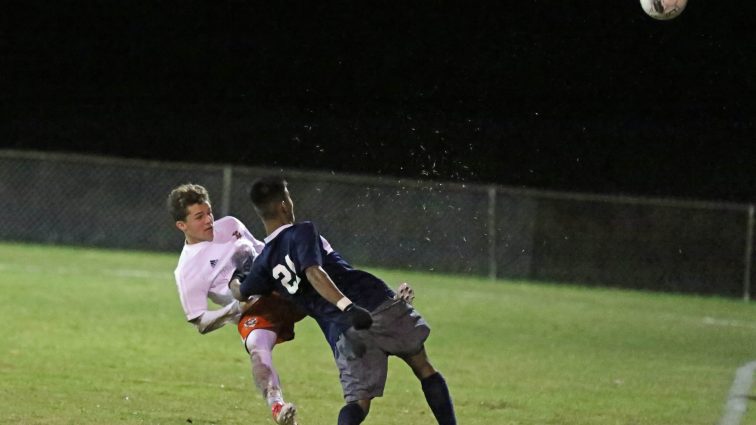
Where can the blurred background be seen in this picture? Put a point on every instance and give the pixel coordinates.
(579, 142)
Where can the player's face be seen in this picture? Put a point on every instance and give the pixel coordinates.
(198, 224)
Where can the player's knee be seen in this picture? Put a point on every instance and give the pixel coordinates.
(364, 405)
(258, 352)
(254, 354)
(262, 368)
(420, 365)
(424, 370)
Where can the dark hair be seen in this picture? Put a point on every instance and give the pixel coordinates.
(185, 196)
(265, 193)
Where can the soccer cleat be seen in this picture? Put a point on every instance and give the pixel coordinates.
(405, 293)
(284, 413)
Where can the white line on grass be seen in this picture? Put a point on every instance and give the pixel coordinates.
(737, 399)
(71, 270)
(729, 323)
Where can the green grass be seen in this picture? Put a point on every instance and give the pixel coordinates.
(98, 337)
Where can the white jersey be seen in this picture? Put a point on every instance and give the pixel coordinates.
(205, 268)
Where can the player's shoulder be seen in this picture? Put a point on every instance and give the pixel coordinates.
(184, 264)
(304, 230)
(187, 253)
(229, 221)
(230, 225)
(305, 226)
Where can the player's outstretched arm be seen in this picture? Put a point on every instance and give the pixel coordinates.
(361, 318)
(215, 319)
(322, 283)
(234, 285)
(243, 288)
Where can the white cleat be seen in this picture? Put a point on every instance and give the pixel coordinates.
(405, 293)
(284, 413)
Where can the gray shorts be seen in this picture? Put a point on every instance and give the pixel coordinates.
(362, 356)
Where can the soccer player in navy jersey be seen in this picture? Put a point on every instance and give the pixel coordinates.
(357, 312)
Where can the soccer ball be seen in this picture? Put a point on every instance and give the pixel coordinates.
(663, 9)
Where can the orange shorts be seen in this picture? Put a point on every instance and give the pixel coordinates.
(271, 312)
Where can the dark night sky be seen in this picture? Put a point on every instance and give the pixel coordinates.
(585, 95)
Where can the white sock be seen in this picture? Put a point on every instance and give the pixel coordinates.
(260, 345)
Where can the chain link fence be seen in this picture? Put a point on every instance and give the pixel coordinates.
(494, 231)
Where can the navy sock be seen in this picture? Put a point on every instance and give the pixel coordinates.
(439, 400)
(351, 414)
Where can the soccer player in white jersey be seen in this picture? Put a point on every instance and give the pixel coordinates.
(213, 251)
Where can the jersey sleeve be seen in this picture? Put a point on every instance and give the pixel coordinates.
(246, 234)
(256, 244)
(257, 282)
(308, 246)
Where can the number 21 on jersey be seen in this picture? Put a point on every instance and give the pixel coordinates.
(287, 276)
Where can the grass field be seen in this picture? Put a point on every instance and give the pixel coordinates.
(98, 337)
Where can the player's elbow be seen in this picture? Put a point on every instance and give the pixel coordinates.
(314, 273)
(201, 327)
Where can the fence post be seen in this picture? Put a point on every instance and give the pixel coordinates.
(748, 255)
(492, 232)
(226, 192)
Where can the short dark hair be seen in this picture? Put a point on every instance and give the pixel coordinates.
(266, 192)
(185, 196)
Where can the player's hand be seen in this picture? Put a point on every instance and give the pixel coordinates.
(360, 318)
(244, 306)
(239, 274)
(405, 293)
(234, 285)
(350, 345)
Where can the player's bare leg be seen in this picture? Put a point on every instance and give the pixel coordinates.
(434, 387)
(260, 344)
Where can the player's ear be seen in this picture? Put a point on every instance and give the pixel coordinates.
(181, 225)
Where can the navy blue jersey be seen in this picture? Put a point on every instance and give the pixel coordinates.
(281, 266)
